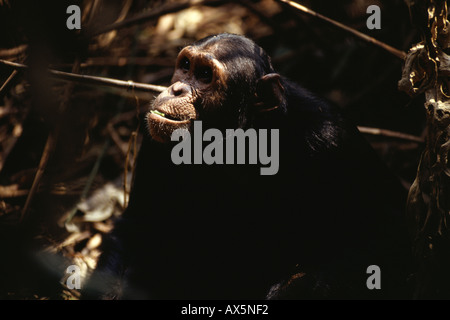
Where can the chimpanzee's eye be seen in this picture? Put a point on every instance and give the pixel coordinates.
(204, 74)
(185, 64)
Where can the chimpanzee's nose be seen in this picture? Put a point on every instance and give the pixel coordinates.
(180, 89)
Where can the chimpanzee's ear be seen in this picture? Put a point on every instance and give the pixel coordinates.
(269, 93)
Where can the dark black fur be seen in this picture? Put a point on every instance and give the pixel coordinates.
(226, 232)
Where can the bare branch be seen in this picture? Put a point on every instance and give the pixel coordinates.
(49, 146)
(391, 134)
(93, 80)
(10, 78)
(13, 52)
(398, 53)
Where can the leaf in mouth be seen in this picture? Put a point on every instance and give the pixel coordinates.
(158, 113)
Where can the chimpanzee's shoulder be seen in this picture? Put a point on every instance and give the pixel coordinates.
(321, 122)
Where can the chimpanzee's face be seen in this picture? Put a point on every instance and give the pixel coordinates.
(197, 84)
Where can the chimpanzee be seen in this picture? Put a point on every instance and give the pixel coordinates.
(310, 229)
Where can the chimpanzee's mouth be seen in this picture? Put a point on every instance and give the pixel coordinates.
(165, 116)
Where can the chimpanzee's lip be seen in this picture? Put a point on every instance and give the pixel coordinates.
(160, 116)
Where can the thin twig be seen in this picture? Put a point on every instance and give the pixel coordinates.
(122, 146)
(133, 138)
(12, 140)
(93, 80)
(49, 146)
(391, 134)
(13, 52)
(123, 61)
(398, 53)
(10, 78)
